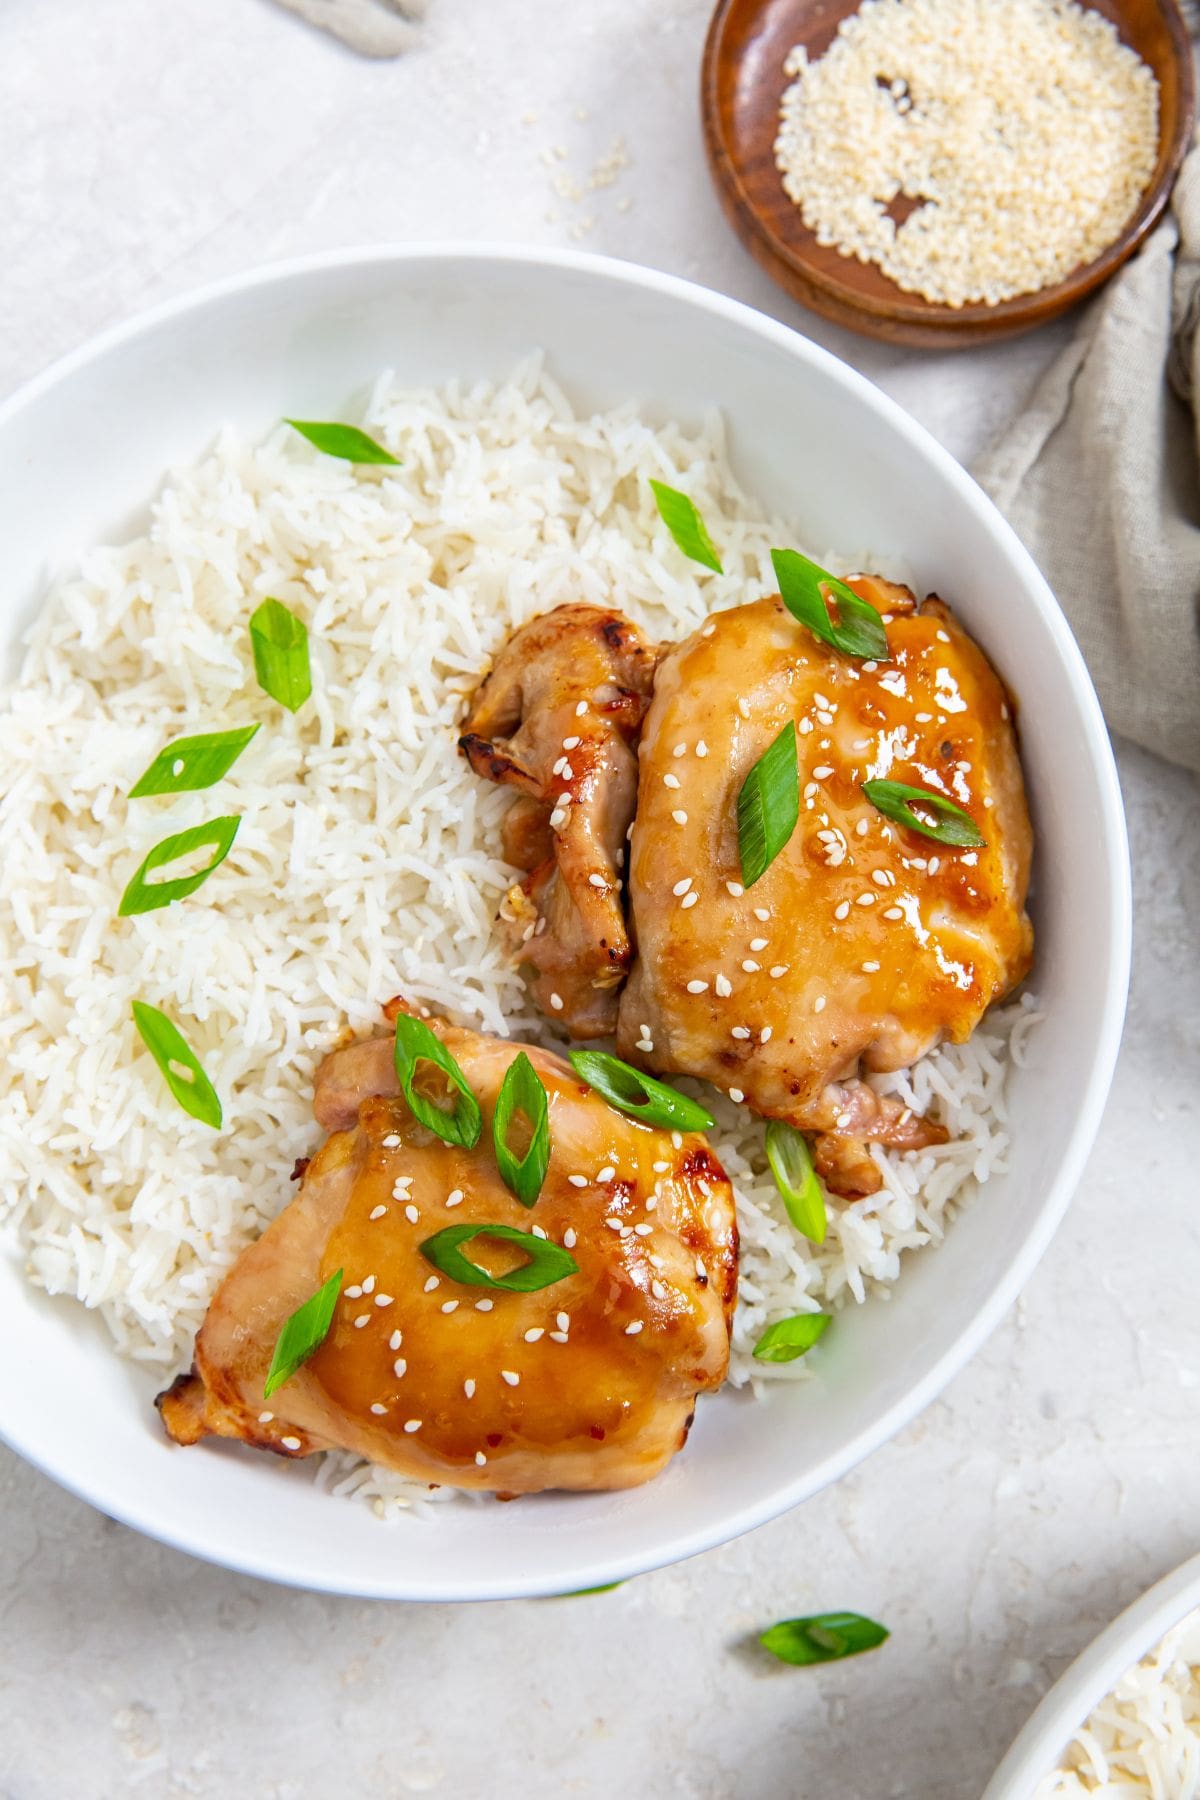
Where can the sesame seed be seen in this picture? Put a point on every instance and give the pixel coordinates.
(383, 1300)
(395, 1341)
(368, 1286)
(842, 910)
(679, 816)
(581, 709)
(411, 1214)
(750, 966)
(511, 1376)
(537, 1231)
(677, 1139)
(569, 743)
(534, 1333)
(736, 1094)
(391, 1141)
(378, 1407)
(597, 880)
(660, 1168)
(480, 1458)
(681, 887)
(695, 987)
(819, 1003)
(935, 863)
(870, 968)
(894, 912)
(614, 1224)
(671, 781)
(723, 986)
(758, 943)
(943, 637)
(823, 771)
(923, 718)
(351, 1293)
(762, 912)
(842, 1120)
(399, 1368)
(658, 1290)
(805, 727)
(778, 969)
(679, 750)
(449, 1306)
(563, 1321)
(559, 1337)
(431, 1284)
(454, 1197)
(556, 819)
(883, 878)
(735, 888)
(265, 1418)
(866, 900)
(656, 1262)
(765, 1035)
(862, 827)
(606, 1173)
(569, 1237)
(701, 748)
(740, 1031)
(869, 668)
(290, 1443)
(556, 1002)
(469, 1387)
(825, 718)
(633, 1327)
(688, 900)
(411, 1425)
(484, 1305)
(577, 1180)
(377, 1212)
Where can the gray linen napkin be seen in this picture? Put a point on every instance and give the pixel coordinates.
(372, 27)
(1100, 476)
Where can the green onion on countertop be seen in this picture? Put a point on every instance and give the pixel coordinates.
(626, 1088)
(281, 662)
(346, 442)
(790, 1338)
(303, 1333)
(192, 763)
(683, 521)
(951, 824)
(823, 1637)
(179, 1064)
(547, 1263)
(795, 1177)
(806, 590)
(416, 1043)
(521, 1091)
(143, 895)
(768, 806)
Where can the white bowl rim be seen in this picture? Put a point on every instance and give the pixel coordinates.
(105, 1494)
(1093, 1674)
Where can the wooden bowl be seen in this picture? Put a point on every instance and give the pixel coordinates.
(742, 84)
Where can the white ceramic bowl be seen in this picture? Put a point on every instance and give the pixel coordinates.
(84, 447)
(1039, 1748)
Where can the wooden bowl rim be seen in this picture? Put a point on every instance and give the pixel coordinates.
(934, 315)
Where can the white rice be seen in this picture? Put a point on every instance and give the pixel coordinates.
(1144, 1737)
(367, 862)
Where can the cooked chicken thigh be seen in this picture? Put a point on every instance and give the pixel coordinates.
(586, 1383)
(558, 718)
(864, 944)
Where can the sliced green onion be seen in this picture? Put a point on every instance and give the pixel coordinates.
(143, 895)
(522, 1091)
(179, 1065)
(192, 763)
(303, 1333)
(768, 806)
(344, 441)
(415, 1043)
(280, 643)
(547, 1263)
(787, 1339)
(653, 1102)
(823, 1637)
(792, 1166)
(685, 525)
(806, 590)
(953, 827)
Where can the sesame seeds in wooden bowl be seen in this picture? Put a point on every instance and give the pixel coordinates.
(1080, 166)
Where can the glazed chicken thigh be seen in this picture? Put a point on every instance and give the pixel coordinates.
(586, 1383)
(557, 718)
(864, 944)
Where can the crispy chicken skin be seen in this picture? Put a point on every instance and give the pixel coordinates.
(417, 1370)
(558, 719)
(864, 944)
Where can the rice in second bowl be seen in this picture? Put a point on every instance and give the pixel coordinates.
(367, 862)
